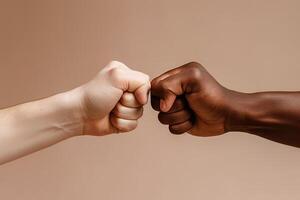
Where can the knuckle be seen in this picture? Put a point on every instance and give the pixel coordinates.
(131, 126)
(164, 85)
(134, 126)
(125, 128)
(195, 71)
(129, 100)
(162, 118)
(128, 96)
(115, 63)
(146, 77)
(181, 128)
(175, 130)
(115, 74)
(154, 84)
(120, 125)
(194, 64)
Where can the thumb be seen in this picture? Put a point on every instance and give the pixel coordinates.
(130, 81)
(167, 101)
(137, 83)
(167, 90)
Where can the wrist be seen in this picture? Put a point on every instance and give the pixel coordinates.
(71, 105)
(245, 111)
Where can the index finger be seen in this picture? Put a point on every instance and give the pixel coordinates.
(137, 83)
(165, 75)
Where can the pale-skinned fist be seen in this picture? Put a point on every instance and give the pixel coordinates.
(113, 101)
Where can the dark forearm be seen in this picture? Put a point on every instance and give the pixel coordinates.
(272, 115)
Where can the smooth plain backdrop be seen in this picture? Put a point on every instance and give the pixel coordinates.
(47, 47)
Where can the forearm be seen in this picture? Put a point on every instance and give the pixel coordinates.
(32, 126)
(272, 115)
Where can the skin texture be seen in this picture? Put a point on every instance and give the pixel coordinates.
(190, 100)
(112, 102)
(118, 89)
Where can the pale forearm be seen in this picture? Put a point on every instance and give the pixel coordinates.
(29, 127)
(111, 102)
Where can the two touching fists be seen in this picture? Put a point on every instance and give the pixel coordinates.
(188, 99)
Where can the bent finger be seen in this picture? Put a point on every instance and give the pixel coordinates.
(127, 112)
(123, 125)
(175, 118)
(128, 99)
(179, 104)
(181, 128)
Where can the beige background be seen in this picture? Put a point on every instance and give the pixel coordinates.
(51, 46)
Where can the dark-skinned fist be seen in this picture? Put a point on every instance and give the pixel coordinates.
(190, 100)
